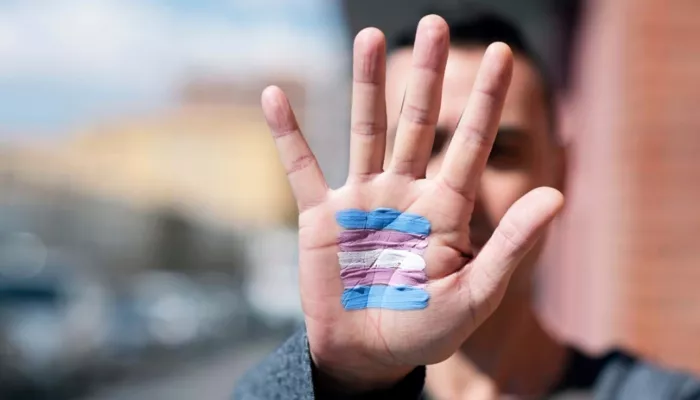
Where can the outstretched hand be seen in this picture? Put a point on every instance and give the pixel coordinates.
(378, 343)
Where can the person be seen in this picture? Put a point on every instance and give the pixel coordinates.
(471, 147)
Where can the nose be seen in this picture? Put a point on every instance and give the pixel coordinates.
(480, 225)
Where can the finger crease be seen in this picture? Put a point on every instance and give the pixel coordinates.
(468, 195)
(362, 177)
(280, 134)
(404, 167)
(417, 115)
(301, 163)
(491, 95)
(368, 129)
(367, 81)
(472, 136)
(510, 235)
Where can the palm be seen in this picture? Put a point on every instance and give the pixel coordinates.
(463, 292)
(387, 334)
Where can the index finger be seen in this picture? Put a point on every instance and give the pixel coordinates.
(471, 144)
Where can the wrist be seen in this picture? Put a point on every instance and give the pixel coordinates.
(356, 377)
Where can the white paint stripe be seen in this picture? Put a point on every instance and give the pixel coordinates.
(358, 257)
(382, 258)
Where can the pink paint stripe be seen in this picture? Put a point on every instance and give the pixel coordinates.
(352, 277)
(368, 239)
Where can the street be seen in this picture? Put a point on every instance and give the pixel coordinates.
(210, 378)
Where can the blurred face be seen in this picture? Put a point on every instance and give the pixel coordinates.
(523, 155)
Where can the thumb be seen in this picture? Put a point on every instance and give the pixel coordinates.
(524, 223)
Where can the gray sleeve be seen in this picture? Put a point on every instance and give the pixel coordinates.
(284, 374)
(288, 374)
(631, 380)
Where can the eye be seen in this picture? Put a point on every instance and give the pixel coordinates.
(442, 137)
(507, 155)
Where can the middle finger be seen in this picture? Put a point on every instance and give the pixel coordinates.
(421, 107)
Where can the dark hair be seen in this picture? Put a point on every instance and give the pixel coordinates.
(477, 25)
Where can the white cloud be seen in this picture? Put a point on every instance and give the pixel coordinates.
(82, 39)
(144, 46)
(66, 62)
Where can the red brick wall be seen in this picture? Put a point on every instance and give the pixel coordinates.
(625, 264)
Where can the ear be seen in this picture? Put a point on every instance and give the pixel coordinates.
(561, 167)
(564, 138)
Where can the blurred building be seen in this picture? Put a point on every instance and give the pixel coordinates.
(194, 189)
(212, 157)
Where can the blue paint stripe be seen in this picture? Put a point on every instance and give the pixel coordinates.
(388, 297)
(383, 218)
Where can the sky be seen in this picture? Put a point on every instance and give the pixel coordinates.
(65, 63)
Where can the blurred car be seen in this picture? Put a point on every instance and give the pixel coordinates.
(51, 326)
(178, 310)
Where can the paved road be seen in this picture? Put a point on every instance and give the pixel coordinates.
(207, 378)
